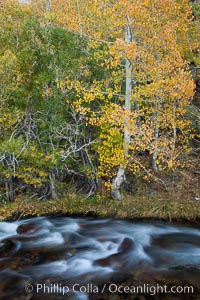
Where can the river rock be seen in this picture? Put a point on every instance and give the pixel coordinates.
(116, 260)
(9, 247)
(27, 228)
(14, 263)
(126, 245)
(12, 283)
(172, 240)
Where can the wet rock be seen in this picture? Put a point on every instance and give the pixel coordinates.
(14, 263)
(117, 260)
(170, 278)
(187, 267)
(9, 247)
(27, 228)
(113, 260)
(12, 283)
(72, 238)
(126, 245)
(159, 258)
(172, 240)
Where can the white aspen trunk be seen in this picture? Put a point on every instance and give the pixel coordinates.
(48, 5)
(174, 131)
(155, 152)
(120, 178)
(52, 190)
(156, 135)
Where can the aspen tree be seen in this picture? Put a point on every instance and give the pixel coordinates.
(138, 93)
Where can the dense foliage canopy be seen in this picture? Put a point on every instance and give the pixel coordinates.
(94, 90)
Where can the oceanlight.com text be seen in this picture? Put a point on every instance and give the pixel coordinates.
(56, 288)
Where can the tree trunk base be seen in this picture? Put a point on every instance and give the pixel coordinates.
(116, 195)
(116, 184)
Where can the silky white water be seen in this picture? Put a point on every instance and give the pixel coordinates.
(69, 251)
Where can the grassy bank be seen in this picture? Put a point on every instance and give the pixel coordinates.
(181, 200)
(159, 206)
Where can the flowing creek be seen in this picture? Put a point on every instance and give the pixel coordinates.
(90, 258)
